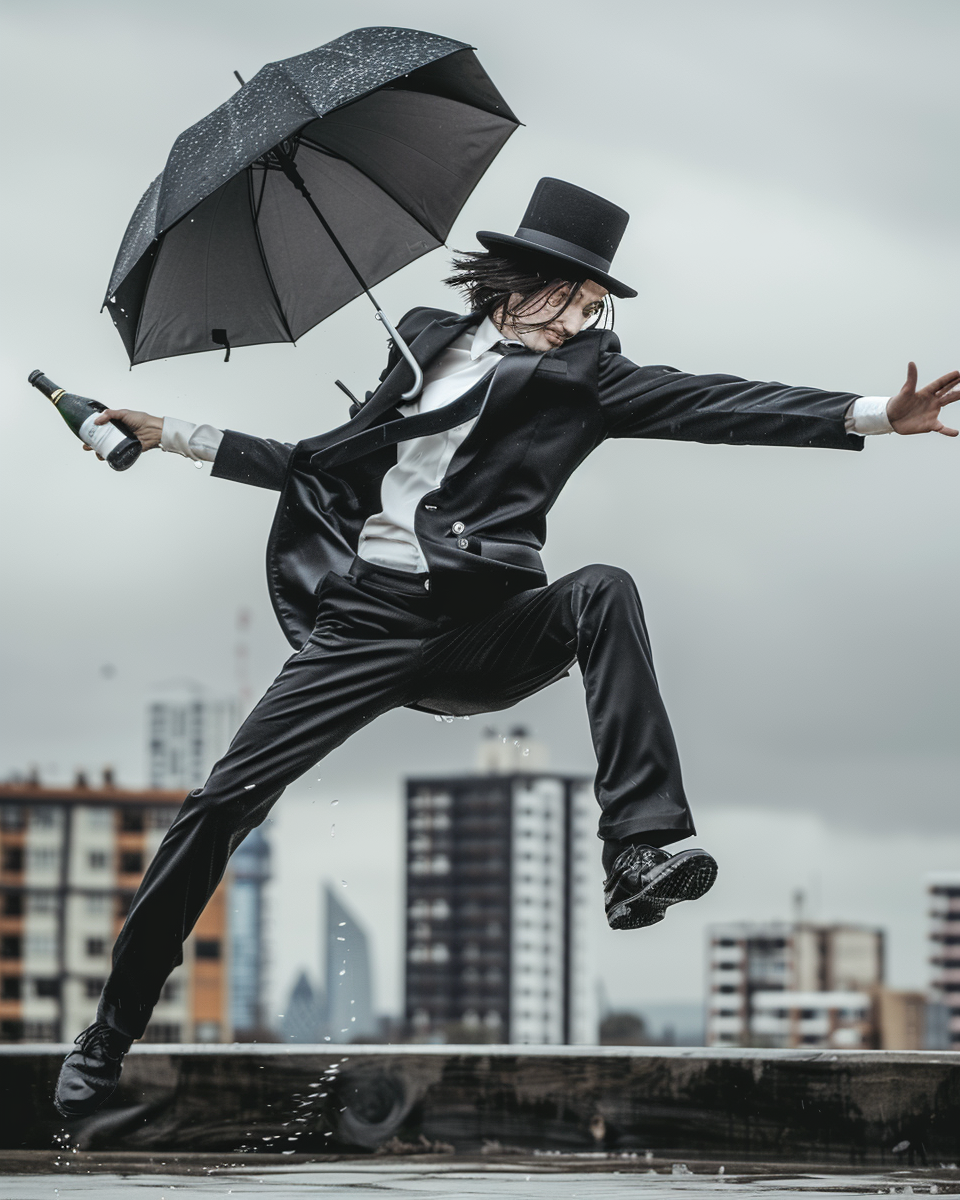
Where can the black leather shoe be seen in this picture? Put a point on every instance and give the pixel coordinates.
(90, 1074)
(644, 881)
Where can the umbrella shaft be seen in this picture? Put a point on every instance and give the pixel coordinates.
(289, 169)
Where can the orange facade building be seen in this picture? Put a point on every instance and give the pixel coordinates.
(71, 860)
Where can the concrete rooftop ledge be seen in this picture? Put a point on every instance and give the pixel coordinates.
(858, 1108)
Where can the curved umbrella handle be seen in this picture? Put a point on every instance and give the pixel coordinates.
(405, 351)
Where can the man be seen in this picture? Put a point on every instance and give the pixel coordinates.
(404, 568)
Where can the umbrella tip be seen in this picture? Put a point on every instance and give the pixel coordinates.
(240, 79)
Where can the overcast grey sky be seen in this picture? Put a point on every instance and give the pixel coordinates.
(791, 171)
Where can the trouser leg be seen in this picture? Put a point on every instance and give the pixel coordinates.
(594, 617)
(322, 695)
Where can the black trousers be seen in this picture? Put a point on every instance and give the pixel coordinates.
(379, 643)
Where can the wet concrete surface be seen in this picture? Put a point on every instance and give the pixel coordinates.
(31, 1175)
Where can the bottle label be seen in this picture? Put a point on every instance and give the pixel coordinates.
(102, 438)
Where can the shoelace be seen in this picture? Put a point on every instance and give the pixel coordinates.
(98, 1037)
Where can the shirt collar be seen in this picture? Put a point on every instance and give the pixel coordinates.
(486, 336)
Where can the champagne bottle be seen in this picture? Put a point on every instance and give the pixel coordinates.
(113, 440)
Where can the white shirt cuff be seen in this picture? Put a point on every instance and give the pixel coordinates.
(867, 415)
(199, 442)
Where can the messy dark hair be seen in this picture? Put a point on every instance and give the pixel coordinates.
(487, 281)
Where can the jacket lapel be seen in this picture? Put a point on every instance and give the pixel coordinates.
(425, 348)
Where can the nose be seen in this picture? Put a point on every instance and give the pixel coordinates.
(570, 322)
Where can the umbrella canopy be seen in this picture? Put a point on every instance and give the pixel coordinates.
(389, 129)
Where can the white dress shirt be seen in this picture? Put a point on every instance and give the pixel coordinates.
(388, 538)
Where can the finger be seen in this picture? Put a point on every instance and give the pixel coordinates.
(943, 383)
(949, 397)
(84, 446)
(947, 431)
(911, 384)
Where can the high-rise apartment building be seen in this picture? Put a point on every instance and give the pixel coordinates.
(70, 862)
(943, 894)
(781, 984)
(187, 731)
(249, 873)
(500, 870)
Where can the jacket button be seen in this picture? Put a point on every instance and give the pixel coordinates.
(463, 543)
(458, 527)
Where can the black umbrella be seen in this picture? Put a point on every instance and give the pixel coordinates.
(382, 134)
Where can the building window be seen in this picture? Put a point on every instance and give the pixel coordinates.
(131, 862)
(44, 816)
(49, 988)
(39, 1031)
(41, 902)
(96, 947)
(208, 949)
(170, 991)
(97, 860)
(162, 1031)
(12, 858)
(96, 903)
(44, 858)
(41, 945)
(160, 818)
(12, 904)
(11, 1031)
(10, 987)
(11, 946)
(11, 817)
(92, 988)
(100, 818)
(124, 900)
(131, 820)
(207, 1031)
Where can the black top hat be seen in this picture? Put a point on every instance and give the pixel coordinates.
(572, 226)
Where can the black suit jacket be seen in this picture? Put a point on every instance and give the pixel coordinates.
(542, 416)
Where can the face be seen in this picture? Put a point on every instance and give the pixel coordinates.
(561, 325)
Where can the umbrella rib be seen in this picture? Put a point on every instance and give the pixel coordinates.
(255, 212)
(320, 149)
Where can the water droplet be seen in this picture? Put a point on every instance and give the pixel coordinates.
(248, 787)
(199, 465)
(526, 752)
(333, 831)
(343, 883)
(343, 971)
(334, 803)
(437, 717)
(342, 923)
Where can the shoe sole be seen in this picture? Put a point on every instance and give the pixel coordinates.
(687, 876)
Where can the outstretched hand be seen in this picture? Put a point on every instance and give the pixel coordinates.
(146, 428)
(912, 411)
